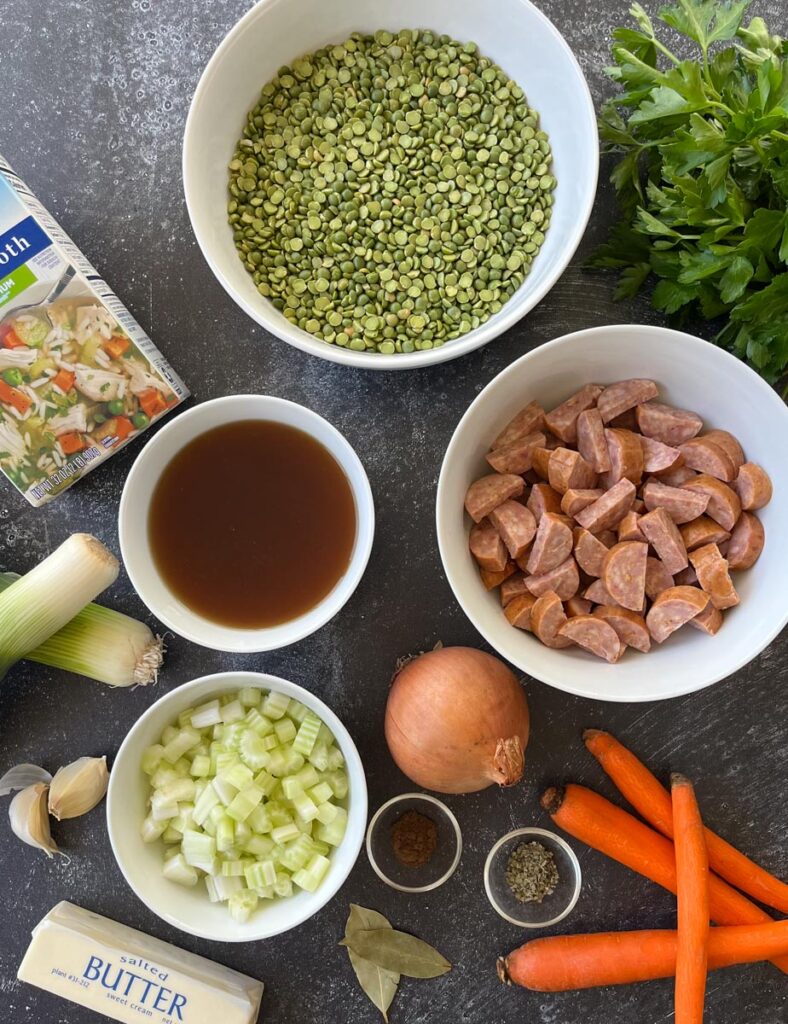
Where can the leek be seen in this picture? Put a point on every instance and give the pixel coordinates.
(97, 642)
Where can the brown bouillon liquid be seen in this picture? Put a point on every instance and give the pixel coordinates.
(252, 524)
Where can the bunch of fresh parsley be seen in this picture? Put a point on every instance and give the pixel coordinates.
(702, 178)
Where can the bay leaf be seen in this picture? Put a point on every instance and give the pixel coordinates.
(377, 983)
(398, 951)
(361, 918)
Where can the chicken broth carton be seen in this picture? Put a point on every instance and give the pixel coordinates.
(79, 378)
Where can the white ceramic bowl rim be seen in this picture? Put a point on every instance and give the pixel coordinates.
(349, 849)
(512, 311)
(594, 678)
(140, 566)
(426, 798)
(553, 838)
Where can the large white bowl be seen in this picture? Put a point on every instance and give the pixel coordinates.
(138, 492)
(691, 374)
(514, 33)
(141, 863)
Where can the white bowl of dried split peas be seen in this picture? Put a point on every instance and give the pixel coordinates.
(355, 323)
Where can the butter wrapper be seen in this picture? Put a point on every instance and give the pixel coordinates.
(129, 976)
(79, 378)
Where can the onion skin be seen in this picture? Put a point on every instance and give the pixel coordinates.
(457, 721)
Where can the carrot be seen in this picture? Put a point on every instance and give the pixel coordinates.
(692, 883)
(650, 799)
(151, 402)
(607, 828)
(64, 379)
(564, 962)
(116, 346)
(12, 340)
(13, 396)
(122, 427)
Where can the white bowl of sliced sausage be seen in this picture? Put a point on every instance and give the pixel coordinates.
(608, 513)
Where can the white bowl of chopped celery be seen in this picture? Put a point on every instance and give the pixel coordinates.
(237, 806)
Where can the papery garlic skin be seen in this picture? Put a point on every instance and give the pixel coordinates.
(78, 787)
(27, 813)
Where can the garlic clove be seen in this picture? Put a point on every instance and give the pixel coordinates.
(78, 787)
(29, 819)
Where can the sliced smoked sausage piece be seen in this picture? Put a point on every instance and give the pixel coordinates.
(626, 457)
(674, 477)
(729, 444)
(608, 537)
(707, 456)
(594, 635)
(491, 580)
(702, 531)
(516, 525)
(527, 421)
(552, 545)
(723, 506)
(626, 421)
(513, 587)
(543, 499)
(623, 395)
(628, 528)
(667, 424)
(709, 620)
(591, 441)
(597, 593)
(657, 578)
(663, 535)
(676, 501)
(589, 551)
(753, 486)
(540, 459)
(630, 627)
(686, 578)
(562, 420)
(608, 511)
(712, 571)
(624, 574)
(487, 547)
(568, 468)
(563, 580)
(491, 491)
(577, 606)
(518, 610)
(746, 543)
(516, 457)
(659, 457)
(672, 609)
(547, 617)
(575, 500)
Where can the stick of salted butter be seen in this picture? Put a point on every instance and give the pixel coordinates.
(129, 976)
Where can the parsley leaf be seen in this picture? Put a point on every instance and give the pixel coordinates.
(701, 174)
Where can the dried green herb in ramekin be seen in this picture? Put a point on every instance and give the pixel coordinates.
(390, 193)
(531, 873)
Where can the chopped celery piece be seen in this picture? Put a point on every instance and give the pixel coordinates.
(303, 825)
(206, 715)
(242, 904)
(326, 813)
(220, 888)
(312, 875)
(201, 766)
(270, 741)
(162, 812)
(225, 759)
(169, 733)
(278, 813)
(285, 730)
(180, 743)
(198, 849)
(233, 733)
(232, 712)
(242, 833)
(291, 787)
(204, 804)
(231, 868)
(338, 782)
(282, 833)
(185, 717)
(305, 807)
(335, 758)
(259, 820)
(225, 833)
(275, 705)
(334, 832)
(259, 724)
(164, 773)
(297, 711)
(177, 790)
(151, 758)
(242, 805)
(321, 792)
(261, 874)
(319, 757)
(308, 777)
(250, 696)
(253, 751)
(151, 830)
(225, 789)
(307, 735)
(325, 736)
(265, 782)
(237, 775)
(283, 886)
(171, 835)
(297, 853)
(177, 870)
(259, 846)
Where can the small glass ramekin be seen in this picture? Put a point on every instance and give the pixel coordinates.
(553, 908)
(443, 862)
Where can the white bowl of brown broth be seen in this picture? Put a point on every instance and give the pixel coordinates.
(246, 523)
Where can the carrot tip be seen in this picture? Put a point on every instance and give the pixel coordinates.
(592, 734)
(552, 799)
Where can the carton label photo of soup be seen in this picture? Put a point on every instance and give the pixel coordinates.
(79, 378)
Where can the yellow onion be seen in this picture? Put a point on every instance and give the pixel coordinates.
(457, 721)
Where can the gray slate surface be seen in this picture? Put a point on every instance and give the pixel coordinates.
(95, 94)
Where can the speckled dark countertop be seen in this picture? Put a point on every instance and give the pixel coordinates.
(95, 93)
